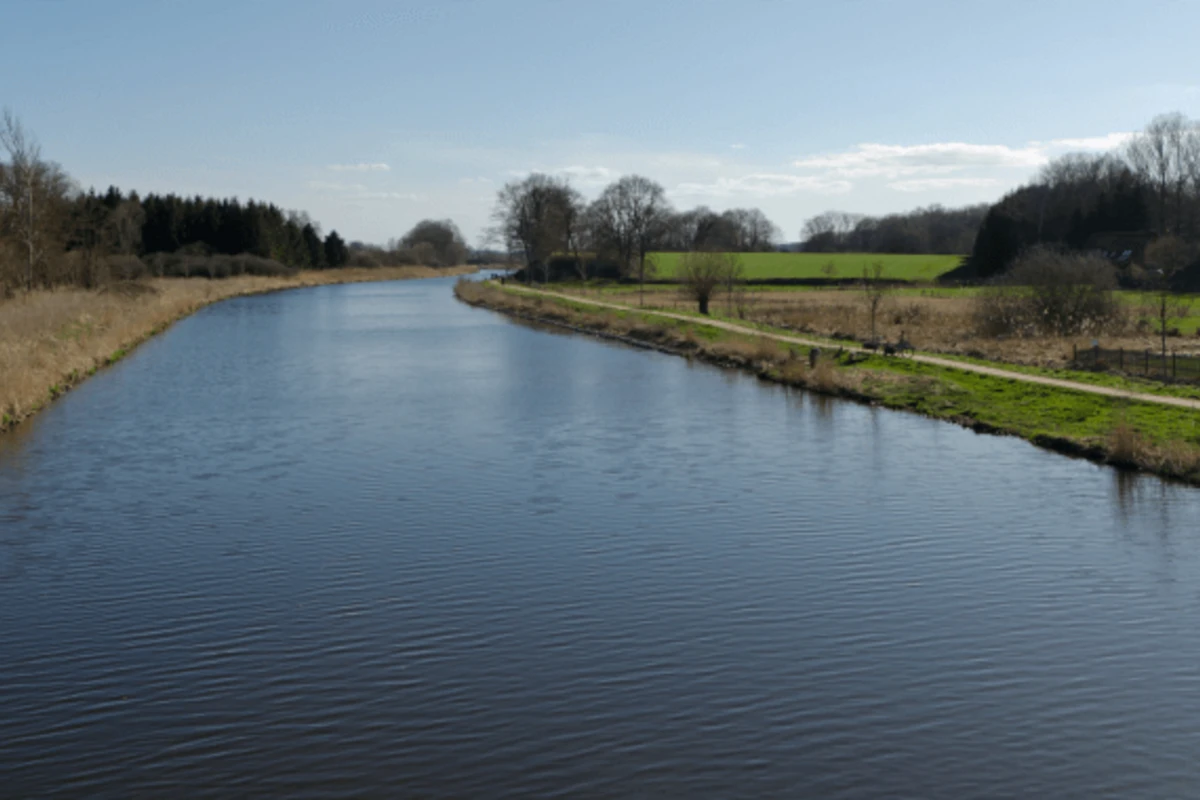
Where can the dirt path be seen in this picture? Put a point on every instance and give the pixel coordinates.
(995, 372)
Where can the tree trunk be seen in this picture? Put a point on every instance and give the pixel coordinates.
(703, 303)
(29, 242)
(1162, 324)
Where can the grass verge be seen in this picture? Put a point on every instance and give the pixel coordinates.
(1163, 440)
(50, 341)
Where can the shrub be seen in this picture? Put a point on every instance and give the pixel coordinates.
(1049, 291)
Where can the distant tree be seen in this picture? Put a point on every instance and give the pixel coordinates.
(87, 237)
(576, 224)
(528, 218)
(1166, 257)
(33, 195)
(124, 223)
(313, 246)
(336, 253)
(631, 217)
(874, 292)
(752, 231)
(446, 245)
(1158, 156)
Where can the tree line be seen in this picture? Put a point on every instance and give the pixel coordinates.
(430, 243)
(543, 220)
(1139, 204)
(51, 233)
(933, 229)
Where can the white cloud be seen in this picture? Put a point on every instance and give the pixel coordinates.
(762, 184)
(895, 161)
(378, 166)
(358, 191)
(1109, 141)
(935, 184)
(738, 146)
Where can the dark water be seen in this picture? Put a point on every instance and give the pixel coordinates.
(361, 540)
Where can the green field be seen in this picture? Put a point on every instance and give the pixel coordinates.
(761, 266)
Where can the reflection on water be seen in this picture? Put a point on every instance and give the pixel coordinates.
(349, 539)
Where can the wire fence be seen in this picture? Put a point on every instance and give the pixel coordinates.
(1151, 364)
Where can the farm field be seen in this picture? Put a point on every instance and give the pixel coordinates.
(763, 266)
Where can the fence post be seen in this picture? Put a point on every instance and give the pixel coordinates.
(1147, 370)
(1121, 359)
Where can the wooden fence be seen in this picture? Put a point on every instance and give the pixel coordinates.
(1149, 363)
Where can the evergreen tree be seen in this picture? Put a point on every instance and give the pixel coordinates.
(314, 248)
(336, 254)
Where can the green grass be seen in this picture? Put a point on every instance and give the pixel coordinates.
(1029, 410)
(761, 266)
(1146, 304)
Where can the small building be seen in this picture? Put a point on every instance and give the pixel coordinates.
(1122, 247)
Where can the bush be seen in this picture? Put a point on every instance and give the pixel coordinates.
(1052, 292)
(180, 265)
(125, 268)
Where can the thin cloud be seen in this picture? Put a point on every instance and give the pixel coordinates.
(897, 161)
(1109, 141)
(363, 166)
(763, 184)
(386, 196)
(588, 176)
(935, 184)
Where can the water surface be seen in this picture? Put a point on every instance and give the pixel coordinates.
(365, 540)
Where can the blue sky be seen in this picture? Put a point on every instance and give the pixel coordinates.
(373, 115)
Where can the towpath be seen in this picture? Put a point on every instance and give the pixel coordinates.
(981, 369)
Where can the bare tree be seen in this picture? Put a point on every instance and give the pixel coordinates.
(529, 219)
(631, 217)
(1191, 173)
(125, 227)
(754, 232)
(822, 232)
(700, 274)
(1157, 155)
(31, 193)
(1166, 257)
(874, 292)
(575, 221)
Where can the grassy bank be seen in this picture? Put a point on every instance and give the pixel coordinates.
(51, 340)
(1159, 439)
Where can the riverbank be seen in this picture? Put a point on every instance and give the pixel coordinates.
(52, 340)
(1151, 436)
